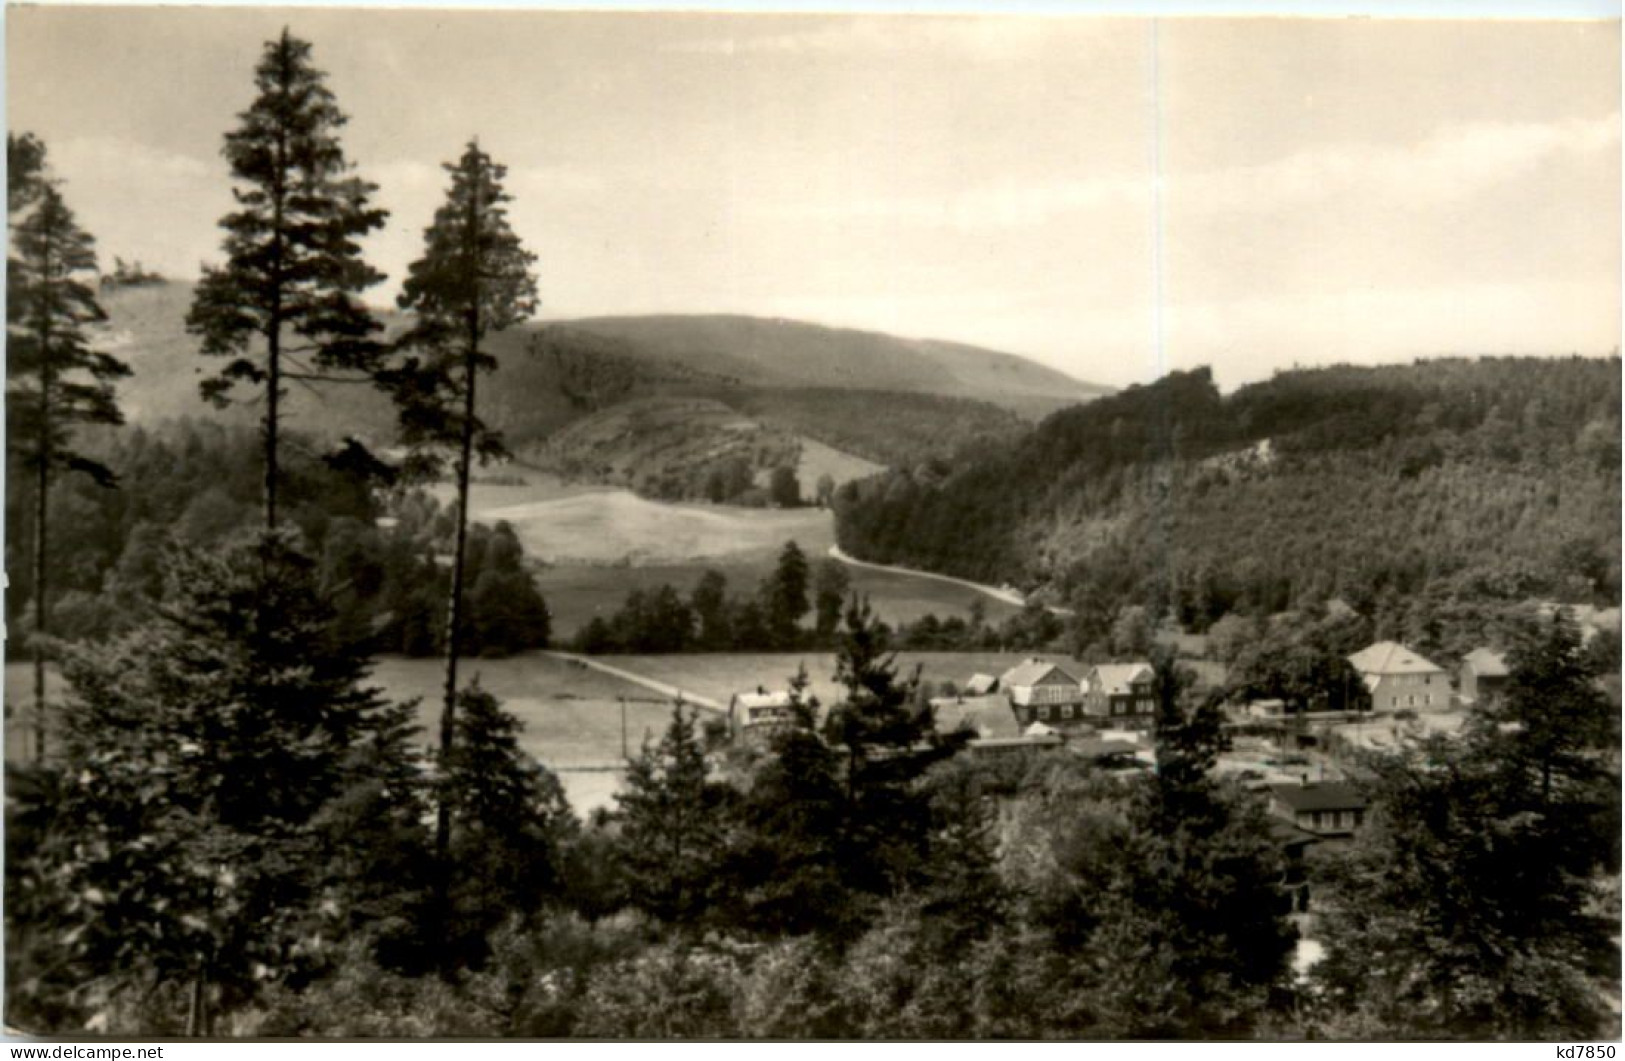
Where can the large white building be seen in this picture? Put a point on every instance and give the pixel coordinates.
(1401, 680)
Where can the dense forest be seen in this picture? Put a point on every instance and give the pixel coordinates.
(380, 546)
(1482, 480)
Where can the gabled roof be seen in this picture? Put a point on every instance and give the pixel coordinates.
(1288, 835)
(1031, 672)
(1114, 678)
(981, 683)
(989, 721)
(1319, 795)
(1487, 663)
(1391, 657)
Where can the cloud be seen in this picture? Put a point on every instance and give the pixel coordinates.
(95, 159)
(984, 38)
(1446, 167)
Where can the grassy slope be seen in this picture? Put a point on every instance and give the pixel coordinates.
(779, 353)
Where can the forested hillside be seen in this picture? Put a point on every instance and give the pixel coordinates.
(614, 379)
(1489, 479)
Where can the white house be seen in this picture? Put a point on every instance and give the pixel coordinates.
(1399, 679)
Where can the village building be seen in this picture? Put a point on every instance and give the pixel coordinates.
(1040, 691)
(1483, 676)
(992, 723)
(1401, 680)
(1328, 809)
(1122, 693)
(981, 685)
(1294, 843)
(758, 715)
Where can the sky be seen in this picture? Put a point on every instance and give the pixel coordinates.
(1115, 197)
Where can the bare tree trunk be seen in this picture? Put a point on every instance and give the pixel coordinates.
(194, 1009)
(42, 520)
(41, 515)
(272, 394)
(454, 608)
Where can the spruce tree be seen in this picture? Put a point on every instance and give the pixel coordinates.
(511, 823)
(673, 831)
(473, 280)
(200, 754)
(293, 267)
(55, 379)
(887, 742)
(785, 595)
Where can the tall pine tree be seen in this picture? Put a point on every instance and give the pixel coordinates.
(292, 261)
(55, 380)
(474, 279)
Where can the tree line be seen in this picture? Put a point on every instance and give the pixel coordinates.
(1485, 481)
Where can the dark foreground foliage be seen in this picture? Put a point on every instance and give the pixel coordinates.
(236, 839)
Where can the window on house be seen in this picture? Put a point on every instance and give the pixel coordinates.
(1043, 713)
(1066, 711)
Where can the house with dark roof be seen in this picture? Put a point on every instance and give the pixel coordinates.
(1483, 676)
(1040, 691)
(1121, 693)
(1399, 679)
(1328, 809)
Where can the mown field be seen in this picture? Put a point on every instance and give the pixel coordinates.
(577, 592)
(572, 715)
(568, 523)
(600, 543)
(720, 675)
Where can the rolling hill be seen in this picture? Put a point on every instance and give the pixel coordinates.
(636, 401)
(784, 353)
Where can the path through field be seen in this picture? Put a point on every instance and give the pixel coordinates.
(688, 696)
(999, 593)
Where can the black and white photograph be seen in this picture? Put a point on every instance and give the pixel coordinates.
(923, 526)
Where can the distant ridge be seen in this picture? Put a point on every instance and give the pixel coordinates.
(764, 351)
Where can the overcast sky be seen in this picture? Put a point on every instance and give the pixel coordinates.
(1329, 190)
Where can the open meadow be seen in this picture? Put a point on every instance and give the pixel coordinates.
(575, 593)
(568, 523)
(572, 714)
(599, 543)
(720, 675)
